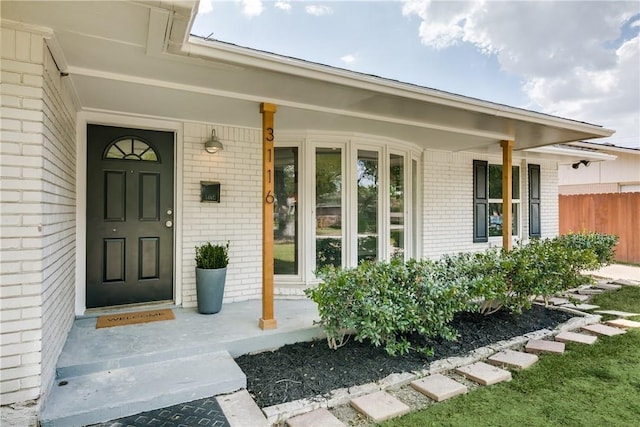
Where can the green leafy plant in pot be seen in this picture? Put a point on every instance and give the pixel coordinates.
(211, 274)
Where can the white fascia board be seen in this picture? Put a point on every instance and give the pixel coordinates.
(562, 153)
(239, 55)
(605, 147)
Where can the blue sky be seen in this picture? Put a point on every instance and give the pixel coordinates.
(575, 59)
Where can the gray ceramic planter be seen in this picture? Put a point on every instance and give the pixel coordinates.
(210, 289)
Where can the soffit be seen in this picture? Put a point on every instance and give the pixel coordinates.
(116, 62)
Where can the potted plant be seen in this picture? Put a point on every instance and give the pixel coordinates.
(211, 273)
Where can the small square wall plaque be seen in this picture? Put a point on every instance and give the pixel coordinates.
(209, 192)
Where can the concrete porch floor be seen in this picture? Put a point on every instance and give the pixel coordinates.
(234, 329)
(109, 373)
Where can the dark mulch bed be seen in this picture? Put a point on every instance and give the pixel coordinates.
(309, 369)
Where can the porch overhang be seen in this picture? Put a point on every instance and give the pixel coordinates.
(137, 58)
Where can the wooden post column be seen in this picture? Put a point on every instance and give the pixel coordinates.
(267, 321)
(507, 192)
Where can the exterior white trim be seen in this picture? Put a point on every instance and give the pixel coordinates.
(115, 119)
(235, 54)
(561, 153)
(280, 102)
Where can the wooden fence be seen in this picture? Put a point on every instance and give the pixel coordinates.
(612, 213)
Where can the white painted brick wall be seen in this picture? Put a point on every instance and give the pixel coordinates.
(448, 201)
(237, 218)
(37, 199)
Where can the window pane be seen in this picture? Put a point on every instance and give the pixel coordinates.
(328, 207)
(396, 204)
(285, 215)
(515, 191)
(495, 182)
(495, 219)
(367, 167)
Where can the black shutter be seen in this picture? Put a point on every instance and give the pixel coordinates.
(480, 201)
(534, 201)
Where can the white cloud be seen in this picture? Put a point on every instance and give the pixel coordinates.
(348, 59)
(318, 10)
(562, 51)
(251, 8)
(283, 5)
(205, 7)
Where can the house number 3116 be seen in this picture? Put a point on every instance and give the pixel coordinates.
(269, 137)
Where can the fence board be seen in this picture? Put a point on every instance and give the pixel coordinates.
(612, 213)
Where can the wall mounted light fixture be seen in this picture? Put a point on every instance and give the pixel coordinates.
(213, 144)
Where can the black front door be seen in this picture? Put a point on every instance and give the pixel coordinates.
(129, 216)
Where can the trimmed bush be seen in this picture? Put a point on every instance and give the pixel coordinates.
(386, 302)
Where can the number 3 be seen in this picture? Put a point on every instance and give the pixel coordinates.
(270, 136)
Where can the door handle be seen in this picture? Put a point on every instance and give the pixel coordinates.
(169, 224)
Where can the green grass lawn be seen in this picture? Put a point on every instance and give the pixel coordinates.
(595, 385)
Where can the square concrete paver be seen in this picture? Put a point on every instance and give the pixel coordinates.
(544, 346)
(578, 297)
(380, 406)
(590, 291)
(439, 387)
(241, 410)
(608, 286)
(513, 359)
(318, 418)
(623, 323)
(581, 307)
(576, 337)
(600, 329)
(557, 301)
(617, 313)
(484, 374)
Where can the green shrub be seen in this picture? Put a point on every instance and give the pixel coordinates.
(212, 256)
(384, 302)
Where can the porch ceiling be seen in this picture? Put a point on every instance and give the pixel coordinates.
(130, 57)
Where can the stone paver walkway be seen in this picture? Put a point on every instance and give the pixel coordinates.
(623, 323)
(605, 330)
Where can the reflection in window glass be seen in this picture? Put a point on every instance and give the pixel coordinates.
(495, 200)
(131, 149)
(328, 207)
(285, 214)
(367, 184)
(396, 205)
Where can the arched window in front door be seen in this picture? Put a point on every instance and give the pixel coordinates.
(129, 148)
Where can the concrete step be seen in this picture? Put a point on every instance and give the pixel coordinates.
(116, 393)
(484, 374)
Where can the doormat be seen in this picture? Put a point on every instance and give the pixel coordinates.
(134, 318)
